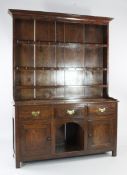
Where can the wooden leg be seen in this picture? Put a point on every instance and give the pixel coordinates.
(114, 153)
(17, 164)
(13, 155)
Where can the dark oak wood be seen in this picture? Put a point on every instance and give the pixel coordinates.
(60, 86)
(59, 16)
(35, 139)
(100, 133)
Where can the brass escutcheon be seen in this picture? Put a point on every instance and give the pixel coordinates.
(71, 112)
(102, 109)
(35, 113)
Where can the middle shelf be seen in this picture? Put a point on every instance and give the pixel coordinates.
(58, 43)
(59, 57)
(19, 68)
(59, 86)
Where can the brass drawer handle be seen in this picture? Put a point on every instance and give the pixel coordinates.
(102, 109)
(90, 135)
(49, 139)
(35, 113)
(71, 112)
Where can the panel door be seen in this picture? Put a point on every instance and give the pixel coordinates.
(35, 139)
(100, 134)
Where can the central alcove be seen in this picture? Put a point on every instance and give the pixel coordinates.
(68, 137)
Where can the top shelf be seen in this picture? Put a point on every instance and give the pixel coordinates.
(39, 43)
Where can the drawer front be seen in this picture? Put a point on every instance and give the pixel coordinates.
(70, 111)
(102, 109)
(35, 112)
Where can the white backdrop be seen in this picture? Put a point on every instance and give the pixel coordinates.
(117, 53)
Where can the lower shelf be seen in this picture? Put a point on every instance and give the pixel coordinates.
(67, 148)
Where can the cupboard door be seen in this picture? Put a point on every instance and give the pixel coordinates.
(100, 134)
(35, 139)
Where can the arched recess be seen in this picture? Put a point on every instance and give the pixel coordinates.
(69, 137)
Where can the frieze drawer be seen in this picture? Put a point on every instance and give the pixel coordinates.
(102, 109)
(35, 112)
(70, 111)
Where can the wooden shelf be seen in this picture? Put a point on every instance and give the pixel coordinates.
(59, 86)
(69, 59)
(20, 68)
(31, 42)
